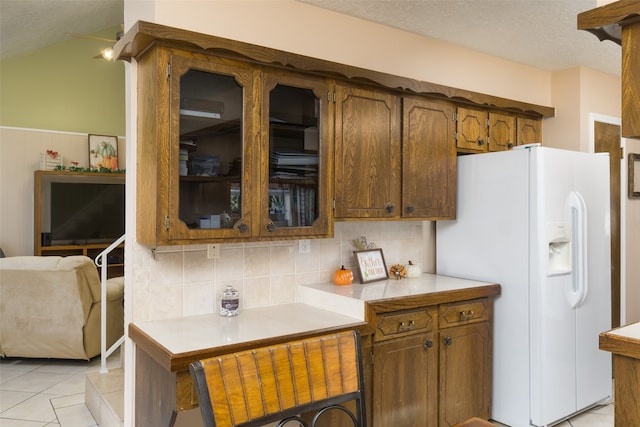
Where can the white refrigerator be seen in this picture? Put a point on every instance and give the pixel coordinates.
(536, 221)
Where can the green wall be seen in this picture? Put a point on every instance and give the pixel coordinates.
(62, 87)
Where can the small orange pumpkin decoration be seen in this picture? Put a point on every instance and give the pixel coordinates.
(343, 276)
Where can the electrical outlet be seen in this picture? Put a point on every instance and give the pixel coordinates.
(304, 246)
(213, 251)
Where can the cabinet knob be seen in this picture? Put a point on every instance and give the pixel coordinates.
(509, 145)
(447, 340)
(242, 227)
(389, 208)
(410, 209)
(270, 227)
(480, 142)
(428, 344)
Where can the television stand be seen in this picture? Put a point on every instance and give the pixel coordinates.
(42, 201)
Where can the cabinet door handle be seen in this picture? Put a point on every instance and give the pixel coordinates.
(389, 208)
(466, 315)
(410, 209)
(509, 145)
(270, 227)
(428, 344)
(480, 142)
(242, 227)
(407, 326)
(447, 340)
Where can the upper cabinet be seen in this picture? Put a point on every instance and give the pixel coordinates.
(212, 168)
(529, 131)
(482, 131)
(368, 153)
(296, 166)
(428, 159)
(237, 142)
(395, 157)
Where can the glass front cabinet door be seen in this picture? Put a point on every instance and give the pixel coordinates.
(233, 151)
(212, 149)
(294, 160)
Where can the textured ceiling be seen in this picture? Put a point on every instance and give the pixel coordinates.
(27, 25)
(541, 33)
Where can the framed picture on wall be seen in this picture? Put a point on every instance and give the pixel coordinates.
(103, 152)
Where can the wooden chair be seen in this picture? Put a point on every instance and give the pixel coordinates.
(280, 382)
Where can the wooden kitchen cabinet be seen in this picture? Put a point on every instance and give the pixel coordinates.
(465, 361)
(502, 132)
(482, 131)
(367, 153)
(432, 365)
(472, 130)
(387, 171)
(387, 140)
(428, 159)
(212, 170)
(529, 131)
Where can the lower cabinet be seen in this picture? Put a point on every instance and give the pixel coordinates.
(432, 365)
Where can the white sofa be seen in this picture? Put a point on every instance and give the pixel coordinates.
(50, 307)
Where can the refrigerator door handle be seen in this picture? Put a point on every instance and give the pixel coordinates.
(580, 282)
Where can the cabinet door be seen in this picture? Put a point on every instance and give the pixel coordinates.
(428, 159)
(502, 132)
(471, 133)
(465, 373)
(295, 161)
(211, 149)
(405, 383)
(367, 154)
(529, 131)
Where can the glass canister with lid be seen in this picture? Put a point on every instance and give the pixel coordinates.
(229, 302)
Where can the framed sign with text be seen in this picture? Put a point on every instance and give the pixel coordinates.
(371, 266)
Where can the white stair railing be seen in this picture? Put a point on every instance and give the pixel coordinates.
(102, 261)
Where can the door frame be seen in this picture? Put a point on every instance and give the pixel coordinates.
(595, 117)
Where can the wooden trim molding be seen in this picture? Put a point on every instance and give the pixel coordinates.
(143, 35)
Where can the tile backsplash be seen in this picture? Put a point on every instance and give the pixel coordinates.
(182, 281)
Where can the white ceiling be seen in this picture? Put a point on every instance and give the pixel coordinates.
(540, 33)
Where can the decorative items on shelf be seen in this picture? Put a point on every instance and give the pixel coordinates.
(413, 270)
(371, 265)
(343, 276)
(361, 244)
(50, 160)
(398, 271)
(103, 152)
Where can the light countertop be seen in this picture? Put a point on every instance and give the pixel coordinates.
(320, 308)
(185, 334)
(350, 300)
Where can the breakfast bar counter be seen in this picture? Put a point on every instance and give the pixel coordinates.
(165, 348)
(624, 343)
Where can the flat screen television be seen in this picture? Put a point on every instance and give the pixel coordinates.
(82, 211)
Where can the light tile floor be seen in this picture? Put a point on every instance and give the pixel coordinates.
(46, 392)
(43, 392)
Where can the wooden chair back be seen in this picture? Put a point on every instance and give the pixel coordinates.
(281, 382)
